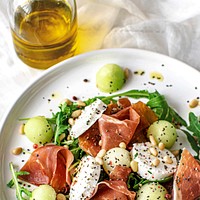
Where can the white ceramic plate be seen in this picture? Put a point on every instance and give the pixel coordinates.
(180, 85)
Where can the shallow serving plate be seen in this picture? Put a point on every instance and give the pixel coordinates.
(75, 77)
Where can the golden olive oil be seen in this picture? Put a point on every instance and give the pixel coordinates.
(44, 32)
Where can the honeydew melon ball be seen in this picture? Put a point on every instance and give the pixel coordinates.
(38, 130)
(152, 191)
(116, 157)
(43, 192)
(110, 78)
(163, 131)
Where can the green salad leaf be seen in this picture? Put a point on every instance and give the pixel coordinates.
(14, 182)
(135, 181)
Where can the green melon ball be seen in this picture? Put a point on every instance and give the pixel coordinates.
(43, 192)
(116, 157)
(38, 130)
(151, 191)
(163, 131)
(110, 78)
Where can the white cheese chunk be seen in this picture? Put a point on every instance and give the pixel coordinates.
(88, 117)
(86, 179)
(141, 153)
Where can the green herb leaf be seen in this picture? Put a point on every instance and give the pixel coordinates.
(14, 182)
(134, 181)
(194, 126)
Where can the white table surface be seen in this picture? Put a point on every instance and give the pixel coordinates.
(168, 27)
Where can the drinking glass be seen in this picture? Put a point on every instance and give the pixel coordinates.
(43, 31)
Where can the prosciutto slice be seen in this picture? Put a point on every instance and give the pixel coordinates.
(49, 165)
(118, 128)
(109, 190)
(187, 178)
(120, 173)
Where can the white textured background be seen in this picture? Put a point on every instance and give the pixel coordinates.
(165, 26)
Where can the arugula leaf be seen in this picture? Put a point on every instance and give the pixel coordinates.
(14, 182)
(73, 146)
(194, 125)
(134, 181)
(60, 120)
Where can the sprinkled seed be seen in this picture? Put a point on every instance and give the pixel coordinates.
(153, 151)
(156, 162)
(175, 152)
(60, 196)
(67, 101)
(21, 129)
(126, 73)
(81, 103)
(76, 113)
(168, 160)
(152, 140)
(122, 145)
(99, 160)
(17, 151)
(71, 121)
(62, 136)
(101, 153)
(134, 165)
(100, 142)
(161, 146)
(194, 103)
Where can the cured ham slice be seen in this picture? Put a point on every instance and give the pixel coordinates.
(89, 141)
(110, 190)
(118, 128)
(49, 165)
(187, 178)
(120, 173)
(147, 117)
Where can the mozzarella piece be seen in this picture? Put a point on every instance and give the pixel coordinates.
(141, 154)
(86, 179)
(88, 117)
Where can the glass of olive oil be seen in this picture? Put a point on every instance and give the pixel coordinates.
(43, 31)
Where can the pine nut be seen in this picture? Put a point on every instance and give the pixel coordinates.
(152, 140)
(161, 146)
(81, 103)
(134, 166)
(60, 196)
(168, 160)
(68, 137)
(99, 160)
(67, 101)
(21, 129)
(122, 145)
(153, 151)
(100, 142)
(101, 153)
(17, 151)
(126, 73)
(194, 103)
(175, 152)
(62, 136)
(156, 162)
(76, 113)
(71, 121)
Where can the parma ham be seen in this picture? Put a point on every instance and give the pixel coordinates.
(118, 128)
(109, 190)
(49, 165)
(186, 184)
